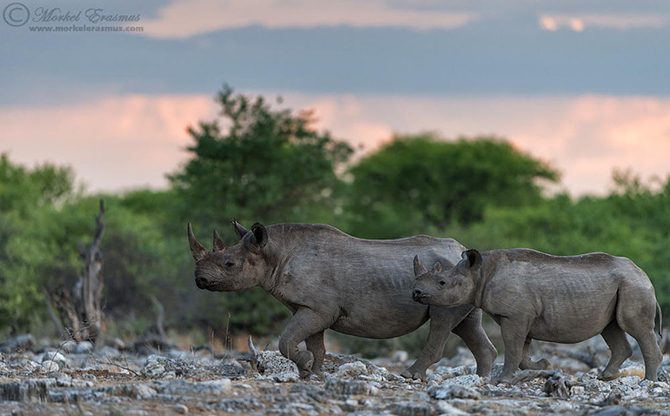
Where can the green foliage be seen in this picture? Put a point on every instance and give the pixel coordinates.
(419, 182)
(265, 165)
(259, 163)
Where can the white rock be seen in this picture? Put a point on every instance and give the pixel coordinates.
(285, 377)
(49, 366)
(214, 387)
(352, 370)
(181, 409)
(84, 347)
(54, 356)
(467, 381)
(400, 356)
(68, 346)
(445, 408)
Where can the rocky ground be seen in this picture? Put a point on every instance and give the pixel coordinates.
(72, 379)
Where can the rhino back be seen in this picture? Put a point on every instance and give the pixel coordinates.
(364, 285)
(560, 290)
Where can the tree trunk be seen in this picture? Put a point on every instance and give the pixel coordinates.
(80, 308)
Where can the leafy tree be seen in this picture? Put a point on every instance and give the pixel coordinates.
(259, 164)
(418, 183)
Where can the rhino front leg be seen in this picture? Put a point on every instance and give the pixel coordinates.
(442, 321)
(514, 334)
(316, 345)
(527, 363)
(471, 332)
(303, 325)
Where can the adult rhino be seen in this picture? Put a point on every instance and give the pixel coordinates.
(329, 279)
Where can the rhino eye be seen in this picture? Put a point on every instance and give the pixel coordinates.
(229, 264)
(442, 283)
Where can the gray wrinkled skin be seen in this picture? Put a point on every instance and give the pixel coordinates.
(329, 279)
(534, 295)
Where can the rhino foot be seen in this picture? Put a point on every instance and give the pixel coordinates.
(542, 364)
(304, 361)
(609, 375)
(414, 374)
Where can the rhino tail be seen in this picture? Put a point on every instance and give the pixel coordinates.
(659, 314)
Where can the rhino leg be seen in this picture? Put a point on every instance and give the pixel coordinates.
(616, 339)
(514, 334)
(442, 321)
(316, 345)
(303, 325)
(635, 312)
(471, 332)
(527, 363)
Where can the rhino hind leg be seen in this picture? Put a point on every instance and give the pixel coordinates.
(616, 339)
(527, 363)
(635, 314)
(304, 324)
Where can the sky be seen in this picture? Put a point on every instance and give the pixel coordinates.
(581, 85)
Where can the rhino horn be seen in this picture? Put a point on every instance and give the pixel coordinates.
(197, 250)
(252, 347)
(219, 245)
(419, 268)
(239, 229)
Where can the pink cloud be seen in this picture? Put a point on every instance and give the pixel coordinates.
(130, 141)
(183, 19)
(112, 143)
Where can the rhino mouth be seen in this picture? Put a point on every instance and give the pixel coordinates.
(422, 298)
(205, 284)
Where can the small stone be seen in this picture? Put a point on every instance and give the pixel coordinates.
(412, 409)
(49, 366)
(339, 386)
(181, 409)
(54, 356)
(84, 347)
(466, 380)
(400, 356)
(453, 392)
(285, 377)
(68, 346)
(444, 408)
(352, 370)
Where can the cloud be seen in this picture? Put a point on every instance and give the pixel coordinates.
(585, 137)
(183, 19)
(112, 143)
(579, 22)
(131, 141)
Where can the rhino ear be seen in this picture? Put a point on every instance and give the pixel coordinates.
(219, 245)
(419, 268)
(474, 259)
(239, 229)
(437, 267)
(260, 234)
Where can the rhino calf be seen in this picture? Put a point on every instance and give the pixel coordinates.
(533, 295)
(329, 279)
